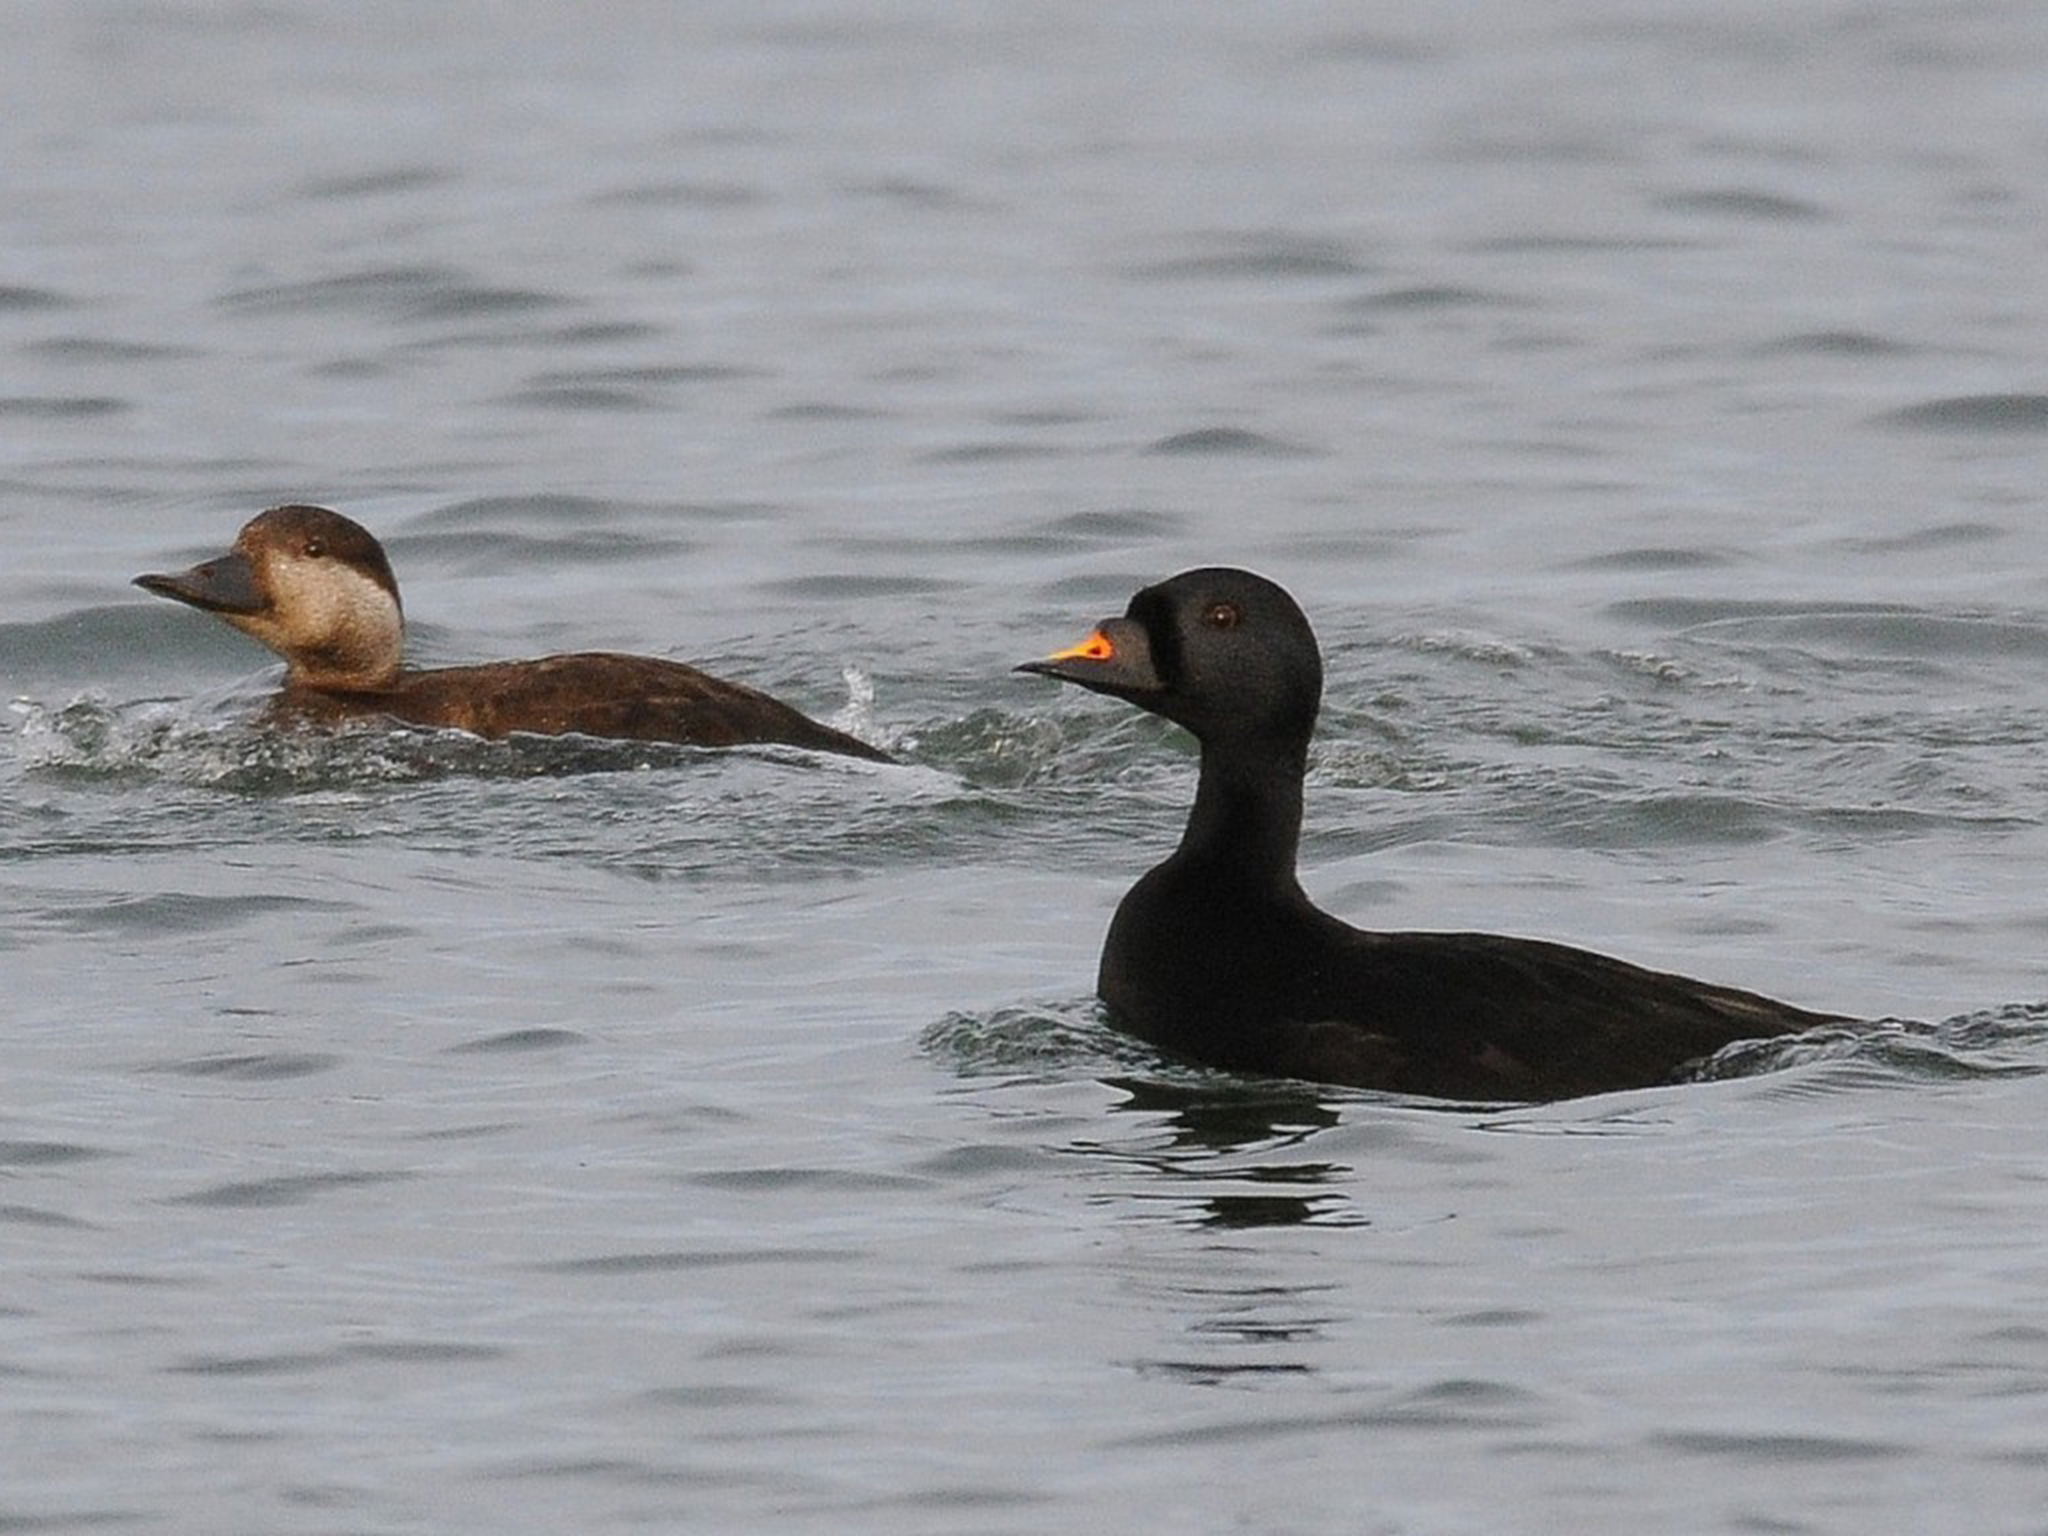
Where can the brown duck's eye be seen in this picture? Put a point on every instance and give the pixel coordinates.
(315, 549)
(1223, 616)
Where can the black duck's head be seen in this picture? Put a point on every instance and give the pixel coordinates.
(312, 585)
(1223, 652)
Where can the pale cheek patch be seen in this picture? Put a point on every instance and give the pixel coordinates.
(337, 614)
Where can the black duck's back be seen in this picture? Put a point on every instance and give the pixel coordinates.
(1534, 1020)
(1272, 984)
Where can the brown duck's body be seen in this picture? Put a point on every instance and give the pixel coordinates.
(589, 693)
(317, 589)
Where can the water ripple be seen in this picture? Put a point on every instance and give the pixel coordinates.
(1744, 204)
(376, 183)
(168, 913)
(21, 298)
(1428, 298)
(1835, 344)
(285, 1189)
(1462, 1403)
(96, 349)
(36, 1216)
(687, 1260)
(1994, 414)
(402, 293)
(505, 552)
(1780, 1450)
(254, 1066)
(62, 407)
(1229, 441)
(519, 1041)
(46, 1154)
(2011, 1041)
(1059, 1040)
(1261, 258)
(681, 194)
(491, 514)
(90, 740)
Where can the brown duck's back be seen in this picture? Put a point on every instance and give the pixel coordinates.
(592, 693)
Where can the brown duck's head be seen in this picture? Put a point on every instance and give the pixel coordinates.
(312, 585)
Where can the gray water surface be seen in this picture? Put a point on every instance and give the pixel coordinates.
(402, 1133)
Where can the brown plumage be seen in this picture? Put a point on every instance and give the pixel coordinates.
(317, 589)
(590, 693)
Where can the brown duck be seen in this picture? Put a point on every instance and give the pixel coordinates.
(317, 589)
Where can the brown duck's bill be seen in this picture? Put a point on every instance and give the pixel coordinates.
(1115, 659)
(226, 585)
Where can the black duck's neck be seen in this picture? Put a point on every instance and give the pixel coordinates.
(1247, 813)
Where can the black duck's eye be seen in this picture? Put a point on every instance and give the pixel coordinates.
(1223, 615)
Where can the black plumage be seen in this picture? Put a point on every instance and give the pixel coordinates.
(1219, 956)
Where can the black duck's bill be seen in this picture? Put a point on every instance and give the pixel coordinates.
(1115, 659)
